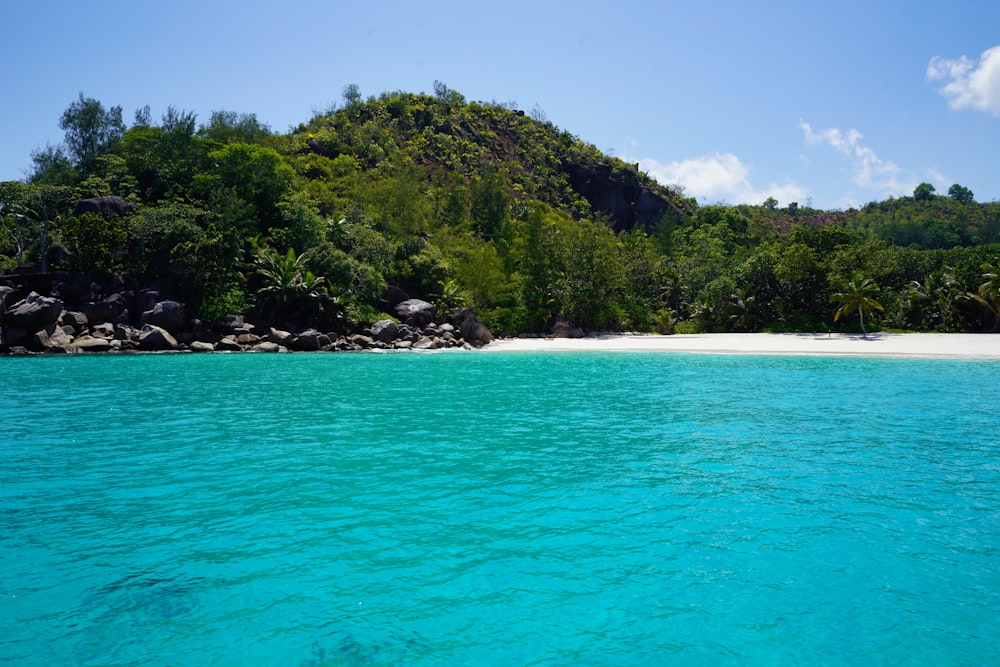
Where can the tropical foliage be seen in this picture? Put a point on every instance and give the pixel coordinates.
(478, 204)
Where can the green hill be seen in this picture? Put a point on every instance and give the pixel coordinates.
(469, 204)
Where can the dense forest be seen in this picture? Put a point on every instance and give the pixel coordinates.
(480, 205)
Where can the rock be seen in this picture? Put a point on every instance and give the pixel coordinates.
(228, 344)
(50, 336)
(202, 346)
(402, 345)
(385, 331)
(124, 332)
(104, 330)
(416, 312)
(146, 300)
(105, 310)
(392, 297)
(426, 343)
(75, 319)
(310, 340)
(9, 296)
(155, 338)
(104, 206)
(247, 339)
(11, 337)
(562, 327)
(475, 332)
(279, 337)
(361, 340)
(234, 322)
(33, 312)
(72, 288)
(266, 346)
(169, 315)
(88, 343)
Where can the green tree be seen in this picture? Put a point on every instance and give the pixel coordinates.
(923, 192)
(51, 166)
(229, 127)
(90, 129)
(988, 294)
(857, 295)
(961, 194)
(37, 207)
(95, 243)
(289, 290)
(256, 174)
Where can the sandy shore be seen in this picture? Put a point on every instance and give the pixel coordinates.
(956, 346)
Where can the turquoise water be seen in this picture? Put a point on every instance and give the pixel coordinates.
(499, 509)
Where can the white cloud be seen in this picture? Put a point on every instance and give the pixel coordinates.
(868, 170)
(969, 85)
(719, 177)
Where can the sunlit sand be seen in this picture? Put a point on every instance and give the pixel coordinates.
(969, 346)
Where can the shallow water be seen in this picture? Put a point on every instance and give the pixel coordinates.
(507, 509)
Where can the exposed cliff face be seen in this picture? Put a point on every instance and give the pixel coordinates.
(619, 194)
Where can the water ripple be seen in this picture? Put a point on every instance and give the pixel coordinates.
(499, 509)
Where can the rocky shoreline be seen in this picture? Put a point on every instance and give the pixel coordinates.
(65, 313)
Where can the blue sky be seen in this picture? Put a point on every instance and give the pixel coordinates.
(830, 103)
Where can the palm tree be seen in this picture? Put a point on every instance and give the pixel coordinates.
(988, 295)
(288, 287)
(857, 295)
(935, 299)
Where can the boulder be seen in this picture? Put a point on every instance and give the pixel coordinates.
(385, 331)
(105, 206)
(105, 310)
(33, 312)
(154, 338)
(146, 300)
(104, 330)
(309, 340)
(475, 332)
(266, 346)
(427, 343)
(202, 346)
(279, 337)
(92, 344)
(74, 319)
(562, 327)
(392, 297)
(234, 322)
(49, 337)
(72, 288)
(416, 312)
(247, 339)
(228, 344)
(13, 337)
(9, 296)
(169, 315)
(124, 332)
(361, 341)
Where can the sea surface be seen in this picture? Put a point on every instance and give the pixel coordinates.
(472, 508)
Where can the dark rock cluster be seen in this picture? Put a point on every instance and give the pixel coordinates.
(64, 313)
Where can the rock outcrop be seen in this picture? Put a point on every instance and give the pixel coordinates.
(119, 317)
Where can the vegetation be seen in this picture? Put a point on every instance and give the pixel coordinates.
(478, 204)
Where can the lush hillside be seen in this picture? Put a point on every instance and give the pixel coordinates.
(474, 204)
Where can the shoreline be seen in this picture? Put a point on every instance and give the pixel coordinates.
(928, 345)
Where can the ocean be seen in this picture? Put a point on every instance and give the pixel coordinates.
(522, 508)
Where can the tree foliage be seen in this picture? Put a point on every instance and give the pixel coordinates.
(479, 204)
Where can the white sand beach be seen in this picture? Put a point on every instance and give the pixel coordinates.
(956, 346)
